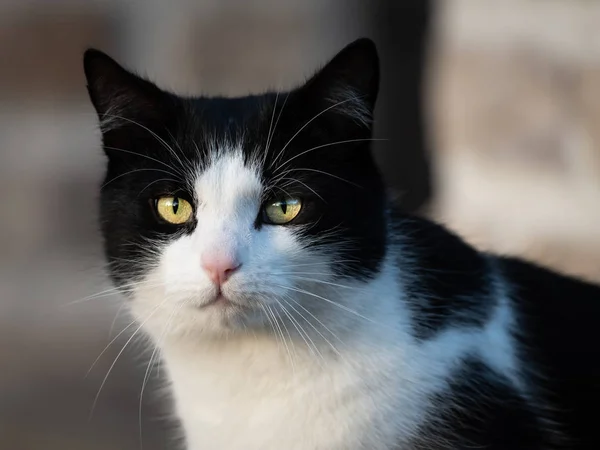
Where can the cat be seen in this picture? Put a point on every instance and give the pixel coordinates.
(296, 308)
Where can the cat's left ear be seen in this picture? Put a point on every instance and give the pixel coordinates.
(120, 97)
(349, 83)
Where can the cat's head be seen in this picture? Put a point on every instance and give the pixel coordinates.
(223, 214)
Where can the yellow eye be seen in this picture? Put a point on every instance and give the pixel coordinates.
(174, 210)
(282, 211)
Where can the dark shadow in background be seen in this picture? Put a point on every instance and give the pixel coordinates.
(401, 30)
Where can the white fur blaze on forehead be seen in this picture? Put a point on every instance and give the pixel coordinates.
(229, 186)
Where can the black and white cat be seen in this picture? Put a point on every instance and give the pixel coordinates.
(295, 309)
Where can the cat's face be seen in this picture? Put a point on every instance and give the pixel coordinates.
(222, 215)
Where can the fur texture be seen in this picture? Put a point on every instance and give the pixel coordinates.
(350, 327)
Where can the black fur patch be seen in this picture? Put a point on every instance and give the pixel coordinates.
(448, 282)
(558, 329)
(480, 410)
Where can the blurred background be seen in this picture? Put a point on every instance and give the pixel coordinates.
(492, 110)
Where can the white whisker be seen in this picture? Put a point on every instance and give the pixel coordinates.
(156, 308)
(150, 366)
(114, 322)
(108, 346)
(327, 282)
(152, 133)
(345, 308)
(278, 331)
(307, 124)
(275, 127)
(316, 318)
(337, 261)
(269, 135)
(133, 171)
(303, 334)
(303, 184)
(112, 291)
(347, 141)
(312, 326)
(306, 169)
(144, 156)
(156, 181)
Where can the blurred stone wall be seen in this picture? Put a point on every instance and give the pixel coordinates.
(515, 106)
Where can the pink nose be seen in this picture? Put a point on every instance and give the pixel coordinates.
(219, 267)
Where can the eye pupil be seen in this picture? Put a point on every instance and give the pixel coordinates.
(174, 210)
(282, 211)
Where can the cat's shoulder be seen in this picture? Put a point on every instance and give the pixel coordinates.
(451, 282)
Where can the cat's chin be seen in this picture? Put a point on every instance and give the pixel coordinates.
(224, 301)
(220, 301)
(209, 318)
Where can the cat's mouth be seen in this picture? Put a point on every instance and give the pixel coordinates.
(220, 300)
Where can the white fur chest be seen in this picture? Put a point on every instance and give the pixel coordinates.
(246, 395)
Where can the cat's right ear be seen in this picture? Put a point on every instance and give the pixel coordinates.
(119, 97)
(349, 83)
